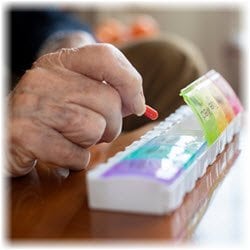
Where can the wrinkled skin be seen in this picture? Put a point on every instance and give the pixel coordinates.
(68, 101)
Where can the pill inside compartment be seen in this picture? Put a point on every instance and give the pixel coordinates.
(165, 156)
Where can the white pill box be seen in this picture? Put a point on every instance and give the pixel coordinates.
(153, 174)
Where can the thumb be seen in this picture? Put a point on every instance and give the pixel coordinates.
(104, 62)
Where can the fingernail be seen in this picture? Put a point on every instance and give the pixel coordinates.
(139, 104)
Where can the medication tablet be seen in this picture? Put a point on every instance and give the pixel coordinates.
(153, 174)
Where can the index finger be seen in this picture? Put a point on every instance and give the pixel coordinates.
(103, 62)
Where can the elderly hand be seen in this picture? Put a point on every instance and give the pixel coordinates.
(68, 101)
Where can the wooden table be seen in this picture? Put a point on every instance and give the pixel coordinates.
(50, 203)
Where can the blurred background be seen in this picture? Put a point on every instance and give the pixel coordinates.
(217, 32)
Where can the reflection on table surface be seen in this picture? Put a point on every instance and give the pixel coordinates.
(51, 203)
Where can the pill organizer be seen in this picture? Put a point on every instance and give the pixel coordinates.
(153, 174)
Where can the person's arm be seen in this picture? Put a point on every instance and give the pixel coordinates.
(37, 32)
(68, 101)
